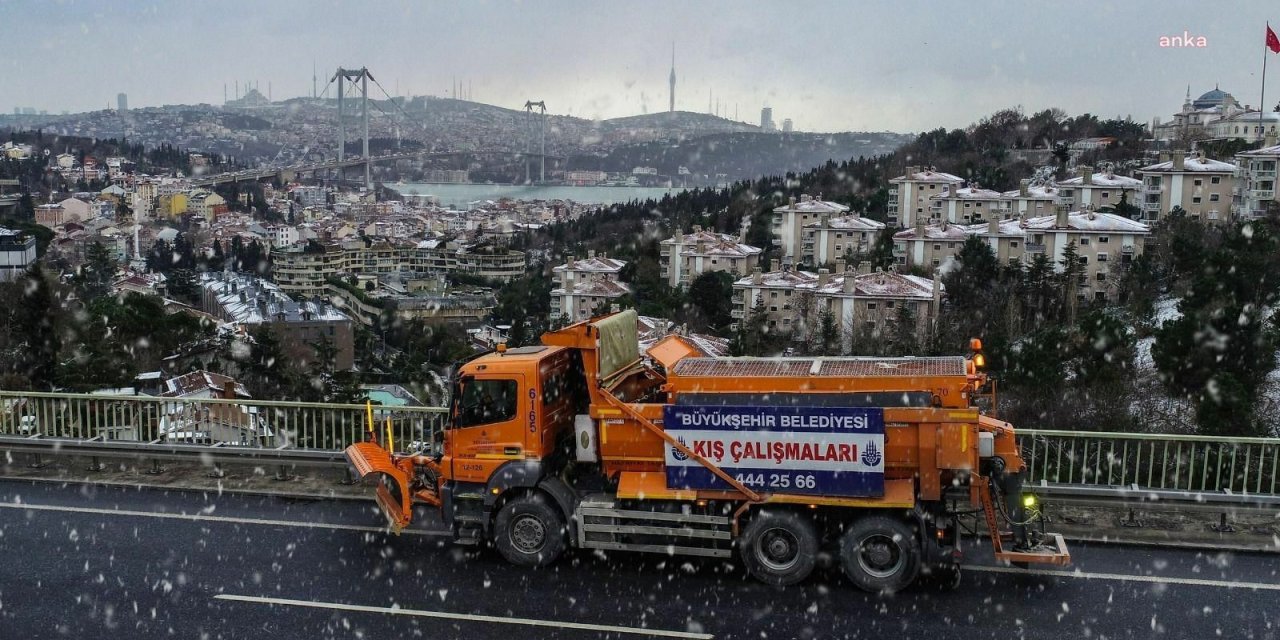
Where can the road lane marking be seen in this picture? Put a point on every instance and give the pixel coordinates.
(470, 617)
(1124, 577)
(196, 517)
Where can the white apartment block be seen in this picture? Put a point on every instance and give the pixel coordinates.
(962, 205)
(1255, 190)
(861, 300)
(1097, 190)
(789, 222)
(1201, 186)
(909, 193)
(583, 285)
(830, 239)
(685, 256)
(1103, 241)
(1030, 200)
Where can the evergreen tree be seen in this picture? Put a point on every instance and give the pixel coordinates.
(36, 323)
(1069, 280)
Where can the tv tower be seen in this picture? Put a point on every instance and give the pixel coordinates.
(673, 77)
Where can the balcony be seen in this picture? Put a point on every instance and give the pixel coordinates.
(1151, 206)
(1035, 247)
(899, 251)
(736, 314)
(1264, 175)
(1066, 200)
(1152, 189)
(1262, 194)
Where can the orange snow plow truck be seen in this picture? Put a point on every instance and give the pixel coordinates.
(586, 442)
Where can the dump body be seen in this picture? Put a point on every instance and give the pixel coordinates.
(713, 453)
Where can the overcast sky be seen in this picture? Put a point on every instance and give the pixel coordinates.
(830, 66)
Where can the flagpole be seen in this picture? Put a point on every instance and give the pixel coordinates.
(1262, 100)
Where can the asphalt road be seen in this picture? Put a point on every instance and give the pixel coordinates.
(86, 562)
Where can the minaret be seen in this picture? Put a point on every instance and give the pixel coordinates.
(673, 77)
(313, 80)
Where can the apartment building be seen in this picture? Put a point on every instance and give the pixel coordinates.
(1030, 199)
(1201, 186)
(831, 238)
(304, 269)
(789, 222)
(17, 252)
(963, 205)
(861, 300)
(248, 302)
(1098, 189)
(685, 256)
(1255, 191)
(584, 285)
(1103, 240)
(909, 193)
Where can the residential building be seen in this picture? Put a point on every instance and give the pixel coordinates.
(789, 222)
(584, 285)
(247, 302)
(75, 209)
(1030, 199)
(304, 269)
(1202, 187)
(208, 423)
(1255, 191)
(685, 256)
(17, 252)
(963, 205)
(1098, 189)
(206, 204)
(1102, 241)
(864, 302)
(910, 192)
(51, 215)
(830, 239)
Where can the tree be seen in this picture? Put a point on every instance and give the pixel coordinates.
(1218, 354)
(95, 276)
(1069, 280)
(712, 293)
(36, 322)
(828, 333)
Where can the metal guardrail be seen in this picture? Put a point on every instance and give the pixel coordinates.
(1153, 462)
(1103, 464)
(226, 423)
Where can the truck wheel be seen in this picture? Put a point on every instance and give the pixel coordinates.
(779, 547)
(529, 531)
(880, 554)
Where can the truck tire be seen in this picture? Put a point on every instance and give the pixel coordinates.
(880, 554)
(779, 547)
(529, 531)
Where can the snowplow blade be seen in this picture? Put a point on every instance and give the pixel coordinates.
(1052, 551)
(372, 461)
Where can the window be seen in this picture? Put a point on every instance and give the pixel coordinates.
(487, 402)
(1101, 276)
(1213, 197)
(888, 304)
(1103, 239)
(773, 308)
(1215, 180)
(1105, 195)
(1198, 182)
(773, 294)
(1084, 242)
(1102, 257)
(1084, 260)
(1195, 200)
(871, 305)
(1013, 244)
(937, 247)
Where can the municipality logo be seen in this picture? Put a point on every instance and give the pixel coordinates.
(677, 453)
(871, 455)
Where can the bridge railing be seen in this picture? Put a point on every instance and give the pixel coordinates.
(1156, 462)
(1168, 462)
(211, 421)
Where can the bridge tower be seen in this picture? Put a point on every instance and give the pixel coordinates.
(535, 124)
(357, 77)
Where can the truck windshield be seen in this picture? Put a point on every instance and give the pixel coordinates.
(487, 401)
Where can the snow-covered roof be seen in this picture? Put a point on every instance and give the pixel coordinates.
(594, 286)
(809, 204)
(1034, 192)
(968, 193)
(200, 381)
(1091, 221)
(594, 264)
(942, 231)
(1103, 180)
(1193, 164)
(851, 223)
(928, 175)
(718, 244)
(880, 284)
(1265, 151)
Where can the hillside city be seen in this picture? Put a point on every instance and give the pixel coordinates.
(1045, 234)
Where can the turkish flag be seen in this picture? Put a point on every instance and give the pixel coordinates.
(1273, 43)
